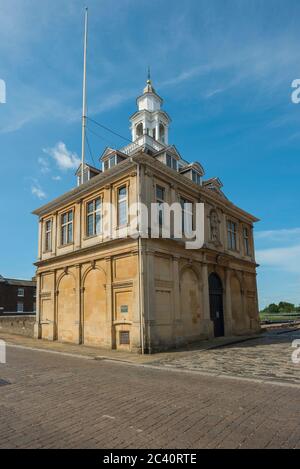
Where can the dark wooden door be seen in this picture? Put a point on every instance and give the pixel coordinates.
(216, 304)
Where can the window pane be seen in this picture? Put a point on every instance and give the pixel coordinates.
(112, 161)
(122, 192)
(64, 235)
(174, 164)
(70, 233)
(123, 212)
(169, 161)
(160, 215)
(231, 228)
(98, 204)
(70, 216)
(90, 207)
(90, 230)
(98, 224)
(48, 241)
(85, 175)
(160, 193)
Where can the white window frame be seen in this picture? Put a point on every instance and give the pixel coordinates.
(161, 202)
(122, 199)
(69, 239)
(187, 215)
(109, 160)
(197, 177)
(48, 236)
(232, 235)
(173, 162)
(93, 214)
(20, 310)
(21, 292)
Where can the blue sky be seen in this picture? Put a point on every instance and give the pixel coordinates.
(224, 69)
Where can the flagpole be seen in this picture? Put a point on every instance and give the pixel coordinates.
(84, 110)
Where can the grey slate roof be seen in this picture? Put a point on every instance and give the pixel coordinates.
(18, 282)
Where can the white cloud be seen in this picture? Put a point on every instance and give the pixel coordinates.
(212, 93)
(284, 258)
(64, 158)
(278, 235)
(279, 249)
(56, 178)
(38, 191)
(44, 166)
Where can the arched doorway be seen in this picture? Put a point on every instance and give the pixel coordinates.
(216, 304)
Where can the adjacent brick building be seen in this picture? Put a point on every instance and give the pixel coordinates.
(17, 296)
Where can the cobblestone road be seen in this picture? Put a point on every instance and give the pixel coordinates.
(68, 402)
(267, 358)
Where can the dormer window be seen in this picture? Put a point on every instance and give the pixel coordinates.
(112, 161)
(193, 171)
(88, 173)
(196, 178)
(171, 162)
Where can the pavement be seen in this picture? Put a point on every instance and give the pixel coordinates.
(117, 355)
(243, 395)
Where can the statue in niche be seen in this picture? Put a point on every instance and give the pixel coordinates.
(214, 227)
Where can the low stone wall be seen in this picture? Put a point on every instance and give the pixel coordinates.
(20, 325)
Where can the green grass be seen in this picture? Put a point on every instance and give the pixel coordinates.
(279, 316)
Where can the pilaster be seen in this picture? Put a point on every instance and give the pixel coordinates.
(78, 303)
(40, 241)
(228, 306)
(110, 333)
(208, 327)
(37, 325)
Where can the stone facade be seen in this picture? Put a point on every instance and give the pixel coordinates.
(145, 294)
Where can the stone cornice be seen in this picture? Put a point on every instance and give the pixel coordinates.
(158, 169)
(95, 248)
(198, 191)
(79, 192)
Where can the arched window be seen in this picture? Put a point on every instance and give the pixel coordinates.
(139, 130)
(162, 133)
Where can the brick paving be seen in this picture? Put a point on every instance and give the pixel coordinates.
(56, 401)
(267, 358)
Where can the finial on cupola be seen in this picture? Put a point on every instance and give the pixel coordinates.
(149, 88)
